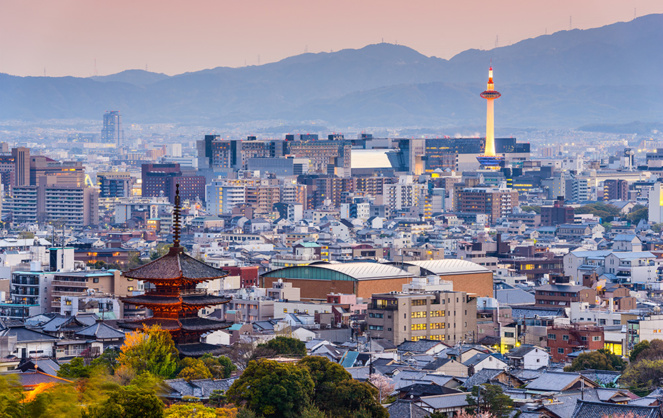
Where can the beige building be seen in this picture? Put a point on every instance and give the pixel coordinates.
(97, 283)
(444, 316)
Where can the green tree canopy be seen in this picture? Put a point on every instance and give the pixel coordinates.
(221, 367)
(150, 350)
(128, 402)
(643, 376)
(326, 376)
(602, 210)
(189, 410)
(489, 398)
(535, 209)
(284, 346)
(355, 398)
(638, 213)
(75, 369)
(597, 360)
(273, 389)
(649, 350)
(193, 368)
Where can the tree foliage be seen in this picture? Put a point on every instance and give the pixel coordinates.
(150, 350)
(11, 395)
(649, 350)
(597, 360)
(221, 367)
(489, 398)
(189, 410)
(193, 368)
(284, 346)
(273, 389)
(643, 376)
(535, 209)
(128, 402)
(638, 213)
(603, 210)
(75, 369)
(326, 376)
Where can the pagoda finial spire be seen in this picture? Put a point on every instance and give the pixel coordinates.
(176, 218)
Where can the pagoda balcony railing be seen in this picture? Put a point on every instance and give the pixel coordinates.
(177, 292)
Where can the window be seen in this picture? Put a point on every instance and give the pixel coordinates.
(375, 315)
(560, 351)
(596, 338)
(434, 314)
(418, 327)
(130, 289)
(375, 327)
(509, 334)
(565, 337)
(437, 325)
(95, 280)
(421, 314)
(552, 337)
(583, 338)
(419, 302)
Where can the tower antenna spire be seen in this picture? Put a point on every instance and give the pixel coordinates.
(176, 218)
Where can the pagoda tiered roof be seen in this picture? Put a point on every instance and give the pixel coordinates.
(186, 324)
(197, 299)
(173, 266)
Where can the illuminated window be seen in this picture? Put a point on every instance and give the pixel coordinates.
(436, 313)
(421, 314)
(130, 288)
(418, 327)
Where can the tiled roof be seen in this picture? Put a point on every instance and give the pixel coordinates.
(589, 409)
(101, 331)
(175, 265)
(200, 388)
(406, 409)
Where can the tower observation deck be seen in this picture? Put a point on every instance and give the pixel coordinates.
(489, 159)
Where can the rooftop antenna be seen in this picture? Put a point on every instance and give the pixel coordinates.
(635, 14)
(497, 40)
(570, 22)
(176, 218)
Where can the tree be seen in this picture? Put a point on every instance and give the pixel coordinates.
(75, 369)
(383, 384)
(11, 395)
(193, 368)
(221, 367)
(535, 209)
(643, 376)
(161, 249)
(326, 376)
(284, 346)
(597, 360)
(355, 398)
(602, 210)
(189, 410)
(650, 350)
(241, 354)
(489, 398)
(107, 360)
(26, 235)
(638, 213)
(128, 402)
(150, 350)
(273, 389)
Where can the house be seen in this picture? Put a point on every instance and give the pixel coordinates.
(430, 347)
(403, 408)
(530, 357)
(483, 360)
(559, 382)
(493, 376)
(199, 388)
(451, 404)
(447, 367)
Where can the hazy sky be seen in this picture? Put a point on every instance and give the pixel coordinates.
(64, 37)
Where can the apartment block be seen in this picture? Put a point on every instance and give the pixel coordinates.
(444, 316)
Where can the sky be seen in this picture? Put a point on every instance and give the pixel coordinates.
(87, 37)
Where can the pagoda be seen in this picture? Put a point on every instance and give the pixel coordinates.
(174, 298)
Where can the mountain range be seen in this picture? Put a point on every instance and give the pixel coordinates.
(606, 75)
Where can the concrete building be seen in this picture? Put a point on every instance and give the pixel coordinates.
(497, 203)
(222, 196)
(444, 316)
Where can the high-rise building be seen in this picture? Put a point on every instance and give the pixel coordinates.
(162, 179)
(112, 131)
(495, 202)
(614, 189)
(22, 162)
(114, 184)
(223, 196)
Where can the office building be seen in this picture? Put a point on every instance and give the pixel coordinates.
(497, 203)
(558, 214)
(114, 184)
(442, 315)
(112, 132)
(162, 179)
(222, 196)
(22, 166)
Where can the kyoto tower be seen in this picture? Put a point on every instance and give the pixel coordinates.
(489, 159)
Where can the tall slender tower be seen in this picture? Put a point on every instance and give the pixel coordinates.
(489, 159)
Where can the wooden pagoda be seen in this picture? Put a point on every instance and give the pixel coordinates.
(174, 298)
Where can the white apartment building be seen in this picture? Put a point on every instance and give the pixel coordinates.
(222, 196)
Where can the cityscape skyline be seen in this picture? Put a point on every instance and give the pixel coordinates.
(79, 39)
